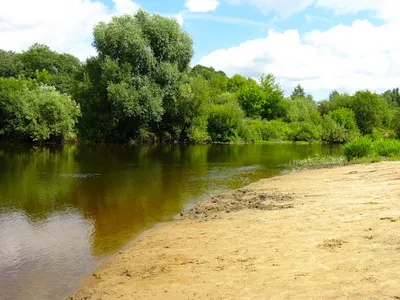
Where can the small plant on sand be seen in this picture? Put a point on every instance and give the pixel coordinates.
(318, 161)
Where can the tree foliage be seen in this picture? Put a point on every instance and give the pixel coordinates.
(369, 109)
(298, 92)
(140, 87)
(32, 112)
(135, 82)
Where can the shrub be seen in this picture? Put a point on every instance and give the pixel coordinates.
(358, 148)
(275, 130)
(346, 118)
(396, 123)
(224, 122)
(334, 132)
(370, 110)
(262, 130)
(387, 147)
(249, 130)
(35, 113)
(304, 131)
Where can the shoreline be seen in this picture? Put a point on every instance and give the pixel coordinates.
(217, 247)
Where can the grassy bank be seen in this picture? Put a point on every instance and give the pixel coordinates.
(362, 150)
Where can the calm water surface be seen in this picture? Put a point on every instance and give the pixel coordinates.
(63, 209)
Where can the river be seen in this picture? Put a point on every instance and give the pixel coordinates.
(63, 209)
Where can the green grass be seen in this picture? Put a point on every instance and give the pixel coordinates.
(365, 149)
(387, 148)
(318, 161)
(362, 147)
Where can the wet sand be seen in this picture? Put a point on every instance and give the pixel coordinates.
(313, 234)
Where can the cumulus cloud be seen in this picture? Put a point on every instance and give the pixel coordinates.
(347, 58)
(125, 7)
(201, 5)
(283, 8)
(179, 18)
(64, 25)
(383, 9)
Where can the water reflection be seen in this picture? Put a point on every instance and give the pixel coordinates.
(39, 260)
(64, 208)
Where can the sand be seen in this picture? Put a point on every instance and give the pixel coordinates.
(313, 234)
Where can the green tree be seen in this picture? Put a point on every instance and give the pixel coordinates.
(206, 72)
(345, 117)
(369, 109)
(224, 122)
(392, 97)
(339, 126)
(336, 100)
(298, 92)
(136, 80)
(32, 112)
(272, 107)
(236, 83)
(396, 123)
(301, 109)
(63, 68)
(251, 98)
(263, 100)
(10, 65)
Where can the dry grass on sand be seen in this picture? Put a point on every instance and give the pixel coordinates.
(314, 234)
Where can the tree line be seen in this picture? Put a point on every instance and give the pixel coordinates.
(140, 87)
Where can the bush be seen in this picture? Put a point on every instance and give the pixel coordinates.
(334, 132)
(358, 148)
(32, 112)
(262, 130)
(396, 123)
(370, 110)
(249, 130)
(224, 122)
(304, 131)
(387, 147)
(274, 131)
(346, 118)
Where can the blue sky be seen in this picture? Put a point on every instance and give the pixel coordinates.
(322, 44)
(229, 25)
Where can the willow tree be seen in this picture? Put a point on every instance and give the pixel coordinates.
(133, 82)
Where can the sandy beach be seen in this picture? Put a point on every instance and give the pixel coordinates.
(313, 234)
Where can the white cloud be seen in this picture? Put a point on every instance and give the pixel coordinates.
(201, 5)
(284, 8)
(63, 25)
(347, 58)
(179, 18)
(383, 9)
(224, 19)
(125, 7)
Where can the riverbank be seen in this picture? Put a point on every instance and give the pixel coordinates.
(325, 233)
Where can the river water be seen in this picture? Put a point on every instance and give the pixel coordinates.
(63, 209)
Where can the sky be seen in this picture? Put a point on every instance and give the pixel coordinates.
(324, 45)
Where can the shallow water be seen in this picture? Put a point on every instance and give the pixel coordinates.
(63, 209)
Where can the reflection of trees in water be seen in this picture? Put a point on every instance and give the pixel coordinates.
(30, 179)
(125, 189)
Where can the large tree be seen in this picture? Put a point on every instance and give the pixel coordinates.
(370, 110)
(62, 68)
(135, 80)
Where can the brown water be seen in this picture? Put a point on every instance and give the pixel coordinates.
(63, 209)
